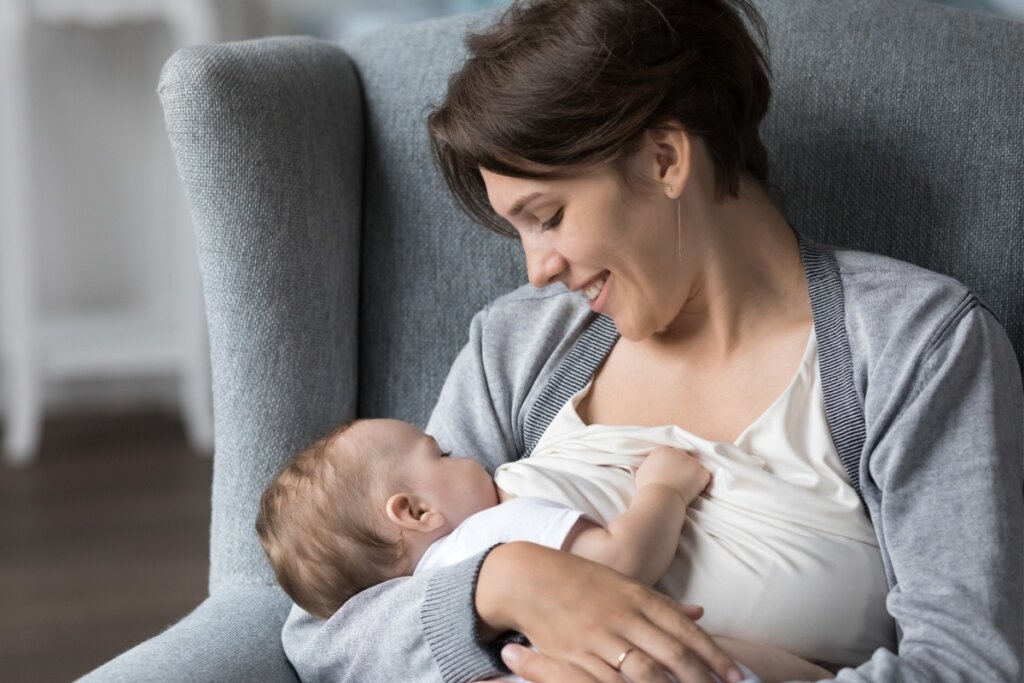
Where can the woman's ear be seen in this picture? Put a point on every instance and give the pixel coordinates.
(409, 512)
(671, 157)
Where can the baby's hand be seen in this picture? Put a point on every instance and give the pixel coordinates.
(676, 469)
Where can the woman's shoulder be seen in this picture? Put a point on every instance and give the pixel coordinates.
(524, 334)
(516, 342)
(898, 313)
(553, 312)
(899, 294)
(555, 296)
(865, 272)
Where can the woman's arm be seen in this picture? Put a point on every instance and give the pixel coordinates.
(417, 628)
(944, 480)
(432, 631)
(583, 624)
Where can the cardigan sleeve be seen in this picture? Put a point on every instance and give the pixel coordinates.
(422, 627)
(473, 418)
(416, 628)
(950, 514)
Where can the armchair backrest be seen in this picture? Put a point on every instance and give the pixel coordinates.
(426, 269)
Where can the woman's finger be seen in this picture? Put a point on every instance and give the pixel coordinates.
(602, 670)
(539, 668)
(639, 667)
(694, 612)
(619, 655)
(682, 647)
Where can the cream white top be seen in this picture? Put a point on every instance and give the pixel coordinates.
(777, 549)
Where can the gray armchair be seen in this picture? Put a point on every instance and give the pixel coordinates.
(340, 278)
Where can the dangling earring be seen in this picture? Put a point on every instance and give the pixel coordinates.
(679, 235)
(679, 230)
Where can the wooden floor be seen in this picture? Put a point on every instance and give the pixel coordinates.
(103, 543)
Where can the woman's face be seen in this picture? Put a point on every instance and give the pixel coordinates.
(593, 235)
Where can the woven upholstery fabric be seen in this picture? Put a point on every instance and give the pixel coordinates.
(897, 127)
(426, 269)
(268, 138)
(232, 637)
(324, 230)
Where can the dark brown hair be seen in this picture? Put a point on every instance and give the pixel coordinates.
(319, 527)
(556, 88)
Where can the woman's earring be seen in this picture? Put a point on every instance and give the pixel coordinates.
(679, 235)
(679, 230)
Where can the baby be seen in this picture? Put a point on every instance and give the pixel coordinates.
(378, 499)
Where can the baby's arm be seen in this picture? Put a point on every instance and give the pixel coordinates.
(771, 664)
(642, 541)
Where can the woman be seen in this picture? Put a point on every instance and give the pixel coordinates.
(618, 141)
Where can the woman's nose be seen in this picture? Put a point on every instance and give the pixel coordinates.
(544, 264)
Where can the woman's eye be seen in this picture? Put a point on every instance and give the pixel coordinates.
(555, 220)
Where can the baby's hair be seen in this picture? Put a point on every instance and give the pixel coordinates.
(321, 525)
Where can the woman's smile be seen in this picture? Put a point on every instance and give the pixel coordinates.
(592, 287)
(597, 293)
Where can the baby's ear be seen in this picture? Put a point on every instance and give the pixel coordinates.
(408, 512)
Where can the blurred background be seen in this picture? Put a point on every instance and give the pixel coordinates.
(105, 408)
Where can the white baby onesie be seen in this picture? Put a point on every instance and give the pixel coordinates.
(531, 519)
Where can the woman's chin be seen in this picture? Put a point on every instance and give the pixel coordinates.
(633, 332)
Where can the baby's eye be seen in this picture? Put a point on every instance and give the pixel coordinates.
(554, 222)
(446, 454)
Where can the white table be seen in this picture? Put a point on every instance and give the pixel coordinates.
(38, 348)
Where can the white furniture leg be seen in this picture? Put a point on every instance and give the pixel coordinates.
(114, 344)
(22, 392)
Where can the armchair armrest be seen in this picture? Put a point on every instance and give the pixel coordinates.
(232, 636)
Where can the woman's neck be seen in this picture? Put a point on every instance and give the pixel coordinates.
(751, 280)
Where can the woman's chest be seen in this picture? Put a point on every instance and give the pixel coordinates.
(714, 400)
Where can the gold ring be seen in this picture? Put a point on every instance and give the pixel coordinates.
(622, 657)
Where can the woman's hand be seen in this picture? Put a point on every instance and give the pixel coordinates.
(582, 616)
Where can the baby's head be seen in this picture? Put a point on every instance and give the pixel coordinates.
(360, 506)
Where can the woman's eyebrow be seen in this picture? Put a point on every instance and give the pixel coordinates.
(521, 204)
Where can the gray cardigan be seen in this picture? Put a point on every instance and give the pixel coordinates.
(924, 401)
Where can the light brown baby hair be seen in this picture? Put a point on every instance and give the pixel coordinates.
(321, 521)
